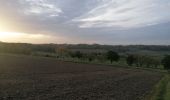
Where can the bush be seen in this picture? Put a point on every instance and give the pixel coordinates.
(166, 62)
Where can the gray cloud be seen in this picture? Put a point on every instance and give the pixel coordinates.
(125, 14)
(40, 7)
(93, 21)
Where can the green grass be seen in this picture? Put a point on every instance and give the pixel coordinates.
(167, 95)
(161, 90)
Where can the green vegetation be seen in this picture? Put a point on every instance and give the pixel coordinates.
(143, 61)
(132, 55)
(130, 60)
(162, 89)
(154, 57)
(166, 62)
(167, 95)
(76, 54)
(112, 56)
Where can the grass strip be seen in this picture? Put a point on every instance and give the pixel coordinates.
(167, 95)
(162, 90)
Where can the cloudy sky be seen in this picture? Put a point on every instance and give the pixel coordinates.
(85, 21)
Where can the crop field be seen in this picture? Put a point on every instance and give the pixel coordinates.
(36, 78)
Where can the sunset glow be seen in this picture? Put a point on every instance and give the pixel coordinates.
(112, 22)
(20, 37)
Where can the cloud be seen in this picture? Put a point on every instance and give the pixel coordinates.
(99, 21)
(39, 7)
(125, 14)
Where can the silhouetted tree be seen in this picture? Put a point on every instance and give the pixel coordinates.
(130, 60)
(112, 56)
(78, 54)
(166, 62)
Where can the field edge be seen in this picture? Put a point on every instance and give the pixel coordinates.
(161, 90)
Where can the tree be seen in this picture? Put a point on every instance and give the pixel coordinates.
(130, 60)
(90, 56)
(77, 54)
(140, 60)
(112, 56)
(166, 62)
(156, 62)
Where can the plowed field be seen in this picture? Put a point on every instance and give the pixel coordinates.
(33, 78)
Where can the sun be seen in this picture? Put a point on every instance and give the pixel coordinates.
(12, 32)
(9, 36)
(19, 37)
(25, 37)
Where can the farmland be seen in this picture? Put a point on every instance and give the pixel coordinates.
(37, 78)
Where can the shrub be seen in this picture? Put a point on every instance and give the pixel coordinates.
(166, 62)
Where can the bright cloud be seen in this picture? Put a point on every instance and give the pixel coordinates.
(125, 14)
(38, 7)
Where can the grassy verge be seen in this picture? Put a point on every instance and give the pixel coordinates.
(161, 90)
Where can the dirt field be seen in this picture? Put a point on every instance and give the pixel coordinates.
(31, 78)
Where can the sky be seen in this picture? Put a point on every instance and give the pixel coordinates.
(111, 22)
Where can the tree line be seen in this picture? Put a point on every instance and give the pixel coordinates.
(107, 53)
(131, 59)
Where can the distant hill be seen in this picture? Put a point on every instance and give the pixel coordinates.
(26, 48)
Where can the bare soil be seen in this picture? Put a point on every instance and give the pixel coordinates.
(34, 78)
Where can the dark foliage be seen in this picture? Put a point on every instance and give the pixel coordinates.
(112, 56)
(76, 54)
(166, 62)
(44, 48)
(130, 60)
